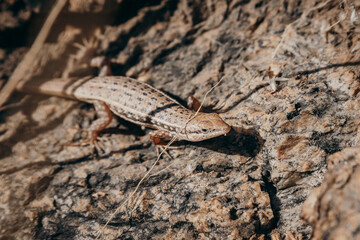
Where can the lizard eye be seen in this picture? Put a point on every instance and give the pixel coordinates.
(204, 130)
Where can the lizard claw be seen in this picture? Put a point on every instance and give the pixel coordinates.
(98, 145)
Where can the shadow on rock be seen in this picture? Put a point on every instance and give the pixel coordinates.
(239, 141)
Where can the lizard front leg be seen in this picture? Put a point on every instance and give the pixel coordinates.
(157, 138)
(104, 118)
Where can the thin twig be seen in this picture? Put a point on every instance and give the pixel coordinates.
(137, 187)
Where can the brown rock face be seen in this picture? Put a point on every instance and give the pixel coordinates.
(290, 92)
(333, 209)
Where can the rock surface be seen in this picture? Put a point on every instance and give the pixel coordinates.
(290, 90)
(333, 209)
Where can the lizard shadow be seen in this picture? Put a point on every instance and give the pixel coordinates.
(124, 127)
(239, 141)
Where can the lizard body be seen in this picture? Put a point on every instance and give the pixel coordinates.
(136, 102)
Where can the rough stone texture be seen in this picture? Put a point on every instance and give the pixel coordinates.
(290, 90)
(333, 209)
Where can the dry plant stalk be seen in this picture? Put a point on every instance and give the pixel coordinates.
(26, 64)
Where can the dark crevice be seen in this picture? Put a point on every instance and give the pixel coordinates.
(271, 189)
(150, 18)
(130, 9)
(233, 215)
(255, 26)
(294, 113)
(197, 14)
(204, 61)
(311, 71)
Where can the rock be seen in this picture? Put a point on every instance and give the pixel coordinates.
(333, 209)
(289, 89)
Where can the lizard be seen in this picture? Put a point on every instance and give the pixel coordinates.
(136, 102)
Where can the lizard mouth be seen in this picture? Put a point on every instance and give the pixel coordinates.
(227, 130)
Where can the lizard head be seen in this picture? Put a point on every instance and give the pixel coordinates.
(204, 126)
